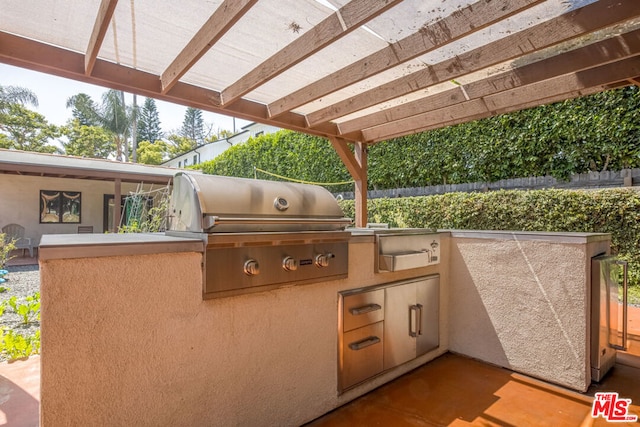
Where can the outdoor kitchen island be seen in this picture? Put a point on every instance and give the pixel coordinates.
(128, 339)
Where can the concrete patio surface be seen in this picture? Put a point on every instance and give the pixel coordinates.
(20, 393)
(452, 390)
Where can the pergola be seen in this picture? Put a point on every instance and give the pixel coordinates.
(353, 71)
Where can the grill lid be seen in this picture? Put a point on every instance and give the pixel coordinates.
(211, 203)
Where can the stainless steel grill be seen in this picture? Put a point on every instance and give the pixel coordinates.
(260, 235)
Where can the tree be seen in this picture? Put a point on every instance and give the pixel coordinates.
(87, 141)
(84, 109)
(193, 126)
(152, 153)
(149, 122)
(112, 114)
(26, 130)
(180, 144)
(16, 95)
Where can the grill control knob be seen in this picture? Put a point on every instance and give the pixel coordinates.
(290, 264)
(322, 260)
(251, 267)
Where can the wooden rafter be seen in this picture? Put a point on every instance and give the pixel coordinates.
(551, 90)
(592, 17)
(592, 55)
(105, 13)
(350, 17)
(224, 17)
(27, 53)
(459, 24)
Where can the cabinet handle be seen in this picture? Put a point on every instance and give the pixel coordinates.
(625, 294)
(364, 309)
(359, 345)
(413, 314)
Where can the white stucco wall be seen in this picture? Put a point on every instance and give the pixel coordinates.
(522, 301)
(128, 340)
(20, 202)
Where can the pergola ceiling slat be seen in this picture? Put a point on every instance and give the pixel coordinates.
(224, 17)
(382, 105)
(598, 53)
(105, 13)
(460, 23)
(349, 18)
(558, 88)
(592, 17)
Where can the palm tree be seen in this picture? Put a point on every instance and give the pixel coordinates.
(16, 95)
(112, 114)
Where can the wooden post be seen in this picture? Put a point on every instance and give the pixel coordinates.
(357, 167)
(361, 185)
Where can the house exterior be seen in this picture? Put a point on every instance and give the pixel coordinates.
(55, 194)
(212, 150)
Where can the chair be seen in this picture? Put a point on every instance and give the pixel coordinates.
(16, 232)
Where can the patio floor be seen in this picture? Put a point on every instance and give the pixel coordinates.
(450, 391)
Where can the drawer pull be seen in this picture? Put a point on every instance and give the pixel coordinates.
(365, 309)
(359, 345)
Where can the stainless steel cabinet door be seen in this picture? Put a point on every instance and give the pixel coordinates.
(411, 320)
(428, 297)
(400, 323)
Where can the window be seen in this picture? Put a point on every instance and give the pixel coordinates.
(186, 162)
(195, 159)
(259, 133)
(60, 206)
(180, 164)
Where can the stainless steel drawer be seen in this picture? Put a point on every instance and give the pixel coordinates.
(362, 309)
(362, 351)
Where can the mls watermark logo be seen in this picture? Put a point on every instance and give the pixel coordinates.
(612, 408)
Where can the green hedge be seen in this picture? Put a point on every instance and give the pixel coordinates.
(593, 133)
(615, 211)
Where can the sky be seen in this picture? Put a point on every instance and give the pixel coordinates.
(53, 92)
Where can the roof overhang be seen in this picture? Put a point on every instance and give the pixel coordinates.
(51, 165)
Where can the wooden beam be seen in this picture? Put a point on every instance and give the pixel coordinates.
(347, 19)
(33, 55)
(361, 185)
(592, 17)
(460, 23)
(597, 76)
(224, 17)
(356, 164)
(347, 157)
(599, 53)
(563, 87)
(105, 13)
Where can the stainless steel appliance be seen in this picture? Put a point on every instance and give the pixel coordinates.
(383, 326)
(260, 235)
(608, 313)
(404, 249)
